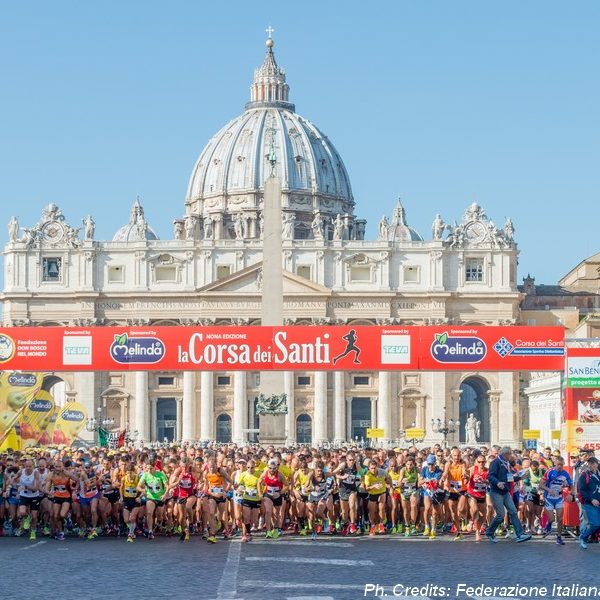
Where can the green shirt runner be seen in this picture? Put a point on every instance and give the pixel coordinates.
(155, 484)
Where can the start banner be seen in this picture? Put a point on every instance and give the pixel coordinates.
(344, 348)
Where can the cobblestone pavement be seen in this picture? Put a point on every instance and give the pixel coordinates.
(292, 568)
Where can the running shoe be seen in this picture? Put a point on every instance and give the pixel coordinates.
(32, 535)
(269, 534)
(211, 539)
(60, 536)
(523, 537)
(413, 530)
(372, 530)
(277, 533)
(381, 528)
(583, 544)
(400, 529)
(453, 529)
(318, 527)
(432, 534)
(186, 536)
(93, 534)
(303, 531)
(81, 533)
(427, 531)
(182, 537)
(18, 532)
(546, 531)
(150, 535)
(352, 529)
(560, 541)
(130, 538)
(458, 536)
(26, 524)
(491, 537)
(244, 538)
(406, 532)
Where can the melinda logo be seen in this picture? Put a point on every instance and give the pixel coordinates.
(72, 415)
(136, 350)
(22, 379)
(395, 349)
(457, 349)
(40, 405)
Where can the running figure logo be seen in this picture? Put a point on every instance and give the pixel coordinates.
(351, 346)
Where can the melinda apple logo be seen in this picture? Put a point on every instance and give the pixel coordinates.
(457, 349)
(136, 350)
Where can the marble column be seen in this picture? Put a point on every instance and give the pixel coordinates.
(339, 407)
(290, 418)
(374, 423)
(435, 406)
(206, 406)
(320, 408)
(187, 408)
(153, 433)
(383, 406)
(506, 409)
(240, 415)
(494, 416)
(142, 420)
(349, 419)
(178, 422)
(85, 384)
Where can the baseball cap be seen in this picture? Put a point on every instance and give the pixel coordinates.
(431, 459)
(273, 463)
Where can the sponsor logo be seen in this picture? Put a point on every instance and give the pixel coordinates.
(40, 405)
(137, 350)
(22, 379)
(395, 349)
(458, 349)
(77, 350)
(7, 348)
(72, 415)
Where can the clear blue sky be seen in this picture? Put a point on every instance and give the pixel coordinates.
(443, 103)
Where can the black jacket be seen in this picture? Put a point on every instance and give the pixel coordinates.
(588, 486)
(499, 473)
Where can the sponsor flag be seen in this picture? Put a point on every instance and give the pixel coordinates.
(35, 418)
(69, 423)
(102, 438)
(12, 440)
(16, 390)
(48, 432)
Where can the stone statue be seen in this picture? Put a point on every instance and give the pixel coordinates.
(142, 225)
(238, 226)
(261, 225)
(271, 405)
(29, 236)
(472, 430)
(317, 226)
(509, 231)
(383, 228)
(190, 227)
(437, 228)
(89, 227)
(13, 229)
(338, 228)
(475, 213)
(208, 229)
(178, 229)
(72, 236)
(287, 232)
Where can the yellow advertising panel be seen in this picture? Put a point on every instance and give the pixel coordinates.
(532, 434)
(16, 390)
(555, 434)
(12, 441)
(69, 423)
(35, 418)
(414, 433)
(375, 433)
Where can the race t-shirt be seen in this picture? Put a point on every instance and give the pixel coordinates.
(155, 483)
(556, 481)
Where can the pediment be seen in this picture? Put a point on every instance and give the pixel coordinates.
(249, 281)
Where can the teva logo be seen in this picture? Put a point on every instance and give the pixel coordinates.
(72, 415)
(22, 379)
(40, 405)
(395, 349)
(7, 348)
(136, 350)
(77, 350)
(458, 349)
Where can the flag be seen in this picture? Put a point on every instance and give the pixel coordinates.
(103, 438)
(69, 423)
(16, 390)
(35, 418)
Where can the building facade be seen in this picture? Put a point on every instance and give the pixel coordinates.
(210, 273)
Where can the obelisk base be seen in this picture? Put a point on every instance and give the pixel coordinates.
(272, 430)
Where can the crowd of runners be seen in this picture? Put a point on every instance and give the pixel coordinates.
(221, 492)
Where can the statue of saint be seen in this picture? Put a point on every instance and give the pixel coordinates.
(287, 232)
(317, 226)
(509, 230)
(13, 229)
(238, 226)
(338, 228)
(472, 430)
(178, 229)
(383, 228)
(89, 227)
(437, 228)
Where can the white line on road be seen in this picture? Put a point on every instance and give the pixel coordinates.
(227, 585)
(309, 598)
(34, 545)
(314, 544)
(340, 562)
(305, 586)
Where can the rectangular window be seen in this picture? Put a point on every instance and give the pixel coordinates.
(303, 380)
(166, 380)
(51, 269)
(163, 274)
(474, 269)
(360, 274)
(116, 274)
(303, 271)
(223, 380)
(361, 380)
(411, 274)
(223, 271)
(256, 379)
(531, 322)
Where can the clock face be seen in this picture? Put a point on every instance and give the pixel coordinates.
(53, 232)
(476, 231)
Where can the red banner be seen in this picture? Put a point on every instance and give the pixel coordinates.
(256, 348)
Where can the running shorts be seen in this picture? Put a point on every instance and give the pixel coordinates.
(33, 503)
(554, 503)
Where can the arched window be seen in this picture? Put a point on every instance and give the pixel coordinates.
(474, 398)
(224, 429)
(304, 429)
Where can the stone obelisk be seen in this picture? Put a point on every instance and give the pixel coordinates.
(272, 426)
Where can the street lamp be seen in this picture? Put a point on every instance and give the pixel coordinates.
(445, 427)
(412, 440)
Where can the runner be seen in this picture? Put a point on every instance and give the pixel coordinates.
(317, 498)
(455, 478)
(476, 490)
(251, 488)
(554, 483)
(153, 484)
(130, 497)
(28, 480)
(216, 482)
(58, 490)
(375, 483)
(184, 485)
(349, 478)
(274, 483)
(433, 496)
(409, 495)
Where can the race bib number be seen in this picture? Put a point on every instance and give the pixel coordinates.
(252, 493)
(510, 477)
(216, 491)
(131, 491)
(273, 491)
(456, 485)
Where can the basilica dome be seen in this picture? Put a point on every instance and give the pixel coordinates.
(269, 137)
(137, 229)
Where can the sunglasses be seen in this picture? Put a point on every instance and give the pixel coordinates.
(481, 462)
